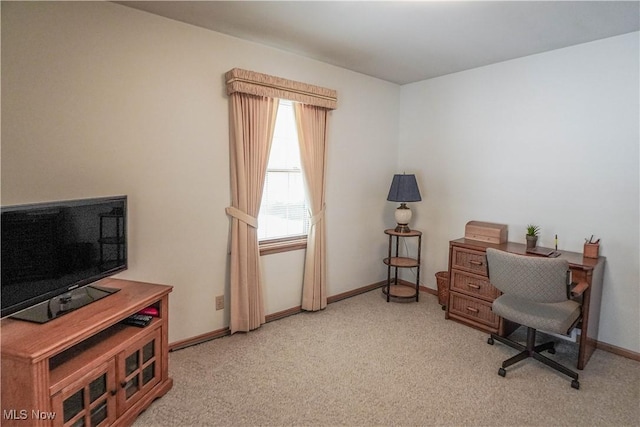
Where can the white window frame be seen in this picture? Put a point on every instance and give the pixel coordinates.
(288, 242)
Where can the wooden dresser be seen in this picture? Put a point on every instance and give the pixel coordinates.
(471, 294)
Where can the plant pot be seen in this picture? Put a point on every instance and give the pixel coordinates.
(532, 241)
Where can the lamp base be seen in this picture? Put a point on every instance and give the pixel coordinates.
(402, 228)
(403, 216)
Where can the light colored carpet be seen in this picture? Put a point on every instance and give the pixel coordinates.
(363, 361)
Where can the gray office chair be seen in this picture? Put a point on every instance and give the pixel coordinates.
(536, 294)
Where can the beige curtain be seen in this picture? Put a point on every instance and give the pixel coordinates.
(312, 133)
(251, 124)
(253, 106)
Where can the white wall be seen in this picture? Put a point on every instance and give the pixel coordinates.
(100, 99)
(550, 139)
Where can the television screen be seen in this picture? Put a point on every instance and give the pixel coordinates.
(51, 249)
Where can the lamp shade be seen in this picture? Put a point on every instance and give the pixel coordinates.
(404, 188)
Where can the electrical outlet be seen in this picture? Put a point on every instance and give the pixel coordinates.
(220, 302)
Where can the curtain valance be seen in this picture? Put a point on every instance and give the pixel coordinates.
(244, 81)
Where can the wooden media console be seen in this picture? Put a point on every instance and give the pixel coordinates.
(87, 368)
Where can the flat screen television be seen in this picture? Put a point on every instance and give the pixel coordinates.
(52, 253)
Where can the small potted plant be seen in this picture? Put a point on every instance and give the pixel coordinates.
(532, 235)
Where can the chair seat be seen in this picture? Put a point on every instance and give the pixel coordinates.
(551, 317)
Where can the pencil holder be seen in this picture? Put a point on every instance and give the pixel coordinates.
(591, 250)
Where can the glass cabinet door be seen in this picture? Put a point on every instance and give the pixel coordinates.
(89, 401)
(139, 369)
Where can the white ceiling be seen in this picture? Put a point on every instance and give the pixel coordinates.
(404, 42)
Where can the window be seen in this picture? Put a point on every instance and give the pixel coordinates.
(284, 213)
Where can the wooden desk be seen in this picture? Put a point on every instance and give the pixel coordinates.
(471, 294)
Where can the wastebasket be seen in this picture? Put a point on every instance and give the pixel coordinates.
(442, 279)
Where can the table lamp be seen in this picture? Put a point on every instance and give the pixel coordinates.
(404, 188)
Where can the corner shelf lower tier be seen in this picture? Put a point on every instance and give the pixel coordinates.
(86, 368)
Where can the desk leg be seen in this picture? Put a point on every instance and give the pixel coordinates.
(585, 350)
(590, 311)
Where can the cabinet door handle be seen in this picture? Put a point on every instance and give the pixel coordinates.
(123, 384)
(473, 310)
(114, 392)
(471, 285)
(478, 263)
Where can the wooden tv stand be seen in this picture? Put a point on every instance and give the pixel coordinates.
(87, 368)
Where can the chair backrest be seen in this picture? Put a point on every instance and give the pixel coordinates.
(528, 277)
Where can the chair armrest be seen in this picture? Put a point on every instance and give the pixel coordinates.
(578, 288)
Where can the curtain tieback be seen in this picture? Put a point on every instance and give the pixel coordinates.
(241, 216)
(317, 217)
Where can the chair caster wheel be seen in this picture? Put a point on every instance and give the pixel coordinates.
(552, 350)
(490, 341)
(502, 373)
(575, 384)
(444, 307)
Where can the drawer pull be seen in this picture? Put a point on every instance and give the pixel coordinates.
(473, 310)
(471, 285)
(478, 263)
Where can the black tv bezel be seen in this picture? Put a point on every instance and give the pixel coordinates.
(26, 304)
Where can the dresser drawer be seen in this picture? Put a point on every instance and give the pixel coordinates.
(474, 285)
(469, 260)
(474, 309)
